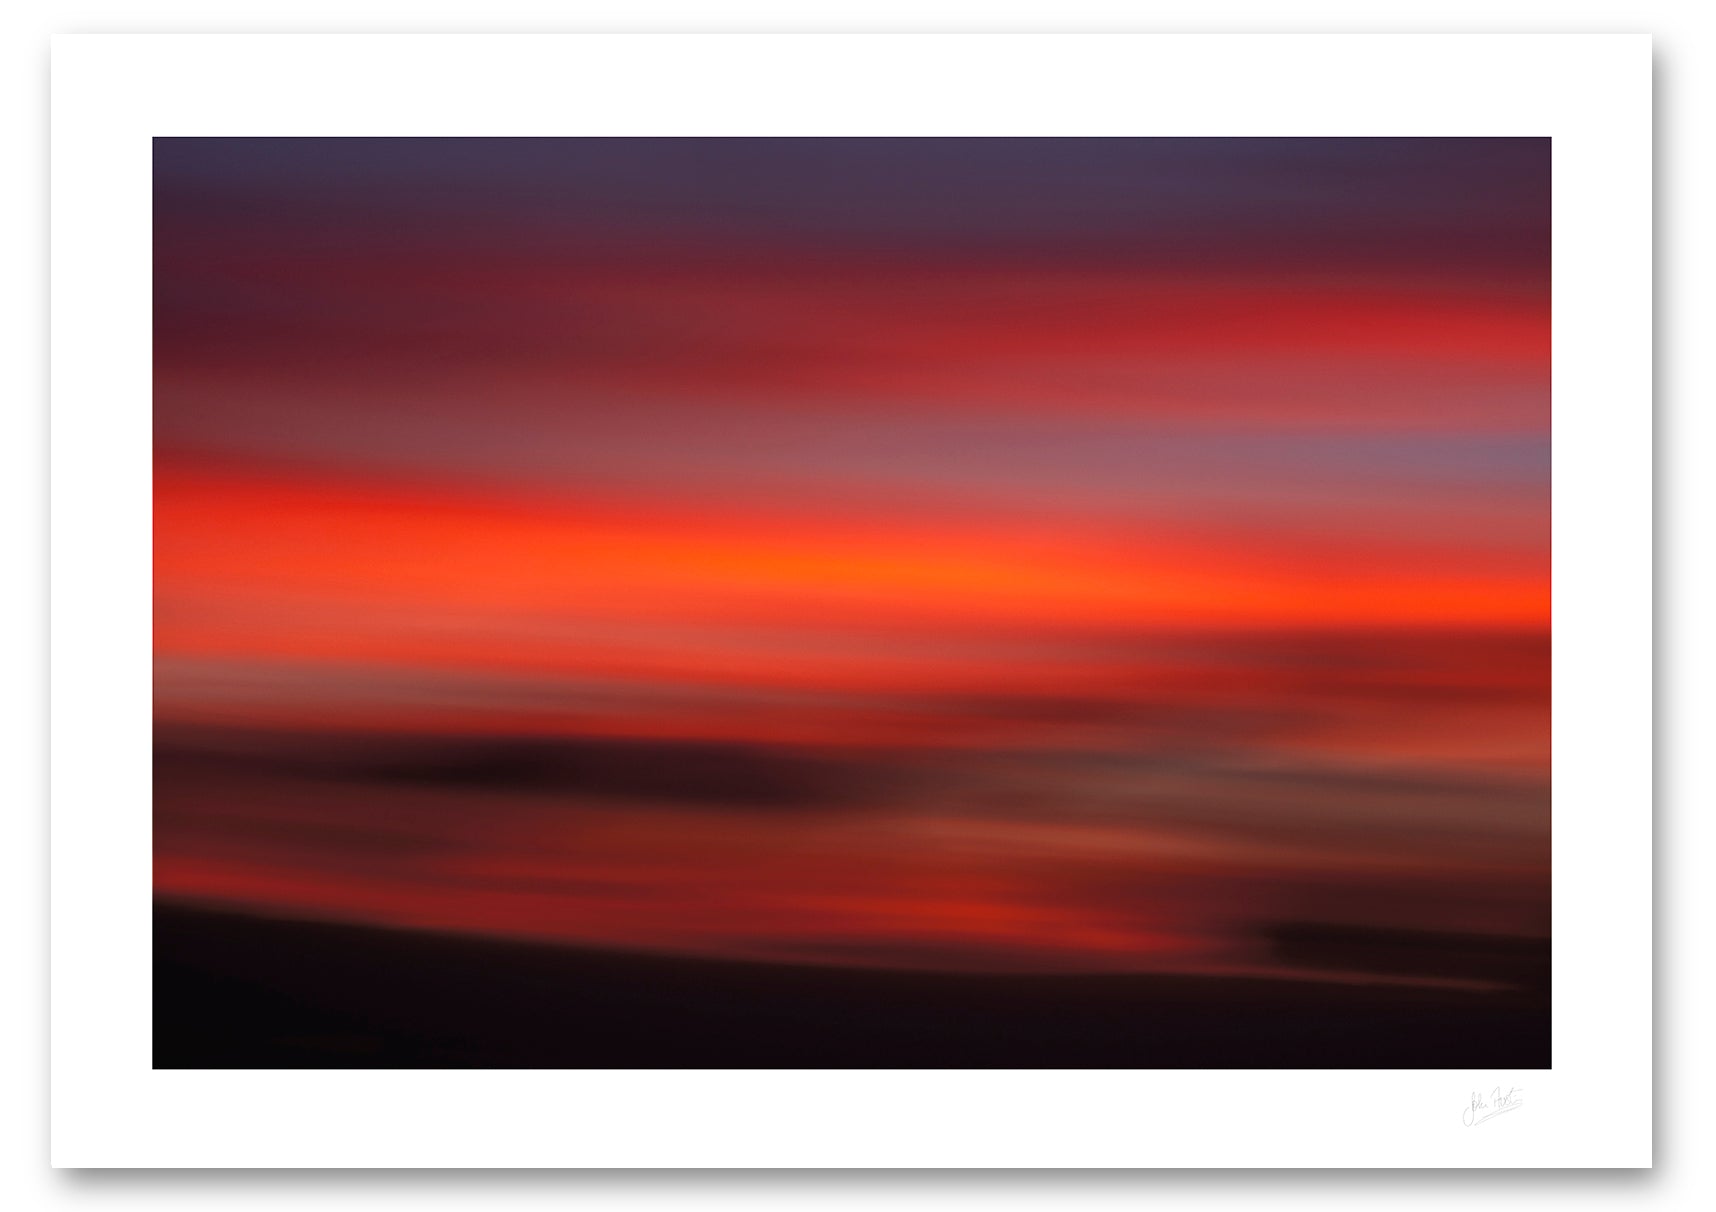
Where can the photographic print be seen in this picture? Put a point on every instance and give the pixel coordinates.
(930, 603)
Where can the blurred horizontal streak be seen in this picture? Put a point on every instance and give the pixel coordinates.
(712, 848)
(380, 545)
(1005, 672)
(1485, 195)
(818, 329)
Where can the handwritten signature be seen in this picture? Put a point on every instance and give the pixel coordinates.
(1500, 1100)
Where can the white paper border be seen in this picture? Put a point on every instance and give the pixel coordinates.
(112, 93)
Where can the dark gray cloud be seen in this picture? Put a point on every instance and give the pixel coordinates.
(681, 773)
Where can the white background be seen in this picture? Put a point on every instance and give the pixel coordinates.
(1599, 1117)
(112, 93)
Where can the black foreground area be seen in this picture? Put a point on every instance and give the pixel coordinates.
(235, 991)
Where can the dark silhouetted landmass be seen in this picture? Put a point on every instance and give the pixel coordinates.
(235, 991)
(1500, 959)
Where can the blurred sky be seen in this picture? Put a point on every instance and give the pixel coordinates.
(1020, 554)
